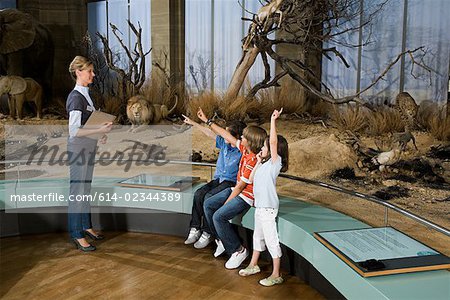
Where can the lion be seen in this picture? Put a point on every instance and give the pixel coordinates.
(141, 112)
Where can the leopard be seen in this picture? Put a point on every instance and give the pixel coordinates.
(407, 108)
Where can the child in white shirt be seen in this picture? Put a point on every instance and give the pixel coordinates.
(272, 159)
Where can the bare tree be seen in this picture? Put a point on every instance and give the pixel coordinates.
(101, 83)
(306, 25)
(200, 73)
(130, 80)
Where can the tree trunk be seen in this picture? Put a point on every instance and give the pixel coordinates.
(240, 73)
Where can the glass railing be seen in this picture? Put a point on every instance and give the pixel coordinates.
(364, 207)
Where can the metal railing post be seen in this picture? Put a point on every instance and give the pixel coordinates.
(386, 216)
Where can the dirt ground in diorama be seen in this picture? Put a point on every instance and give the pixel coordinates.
(316, 152)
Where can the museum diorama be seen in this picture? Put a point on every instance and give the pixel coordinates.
(157, 148)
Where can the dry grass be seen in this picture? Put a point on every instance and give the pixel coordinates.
(156, 90)
(291, 97)
(383, 120)
(434, 119)
(321, 108)
(239, 108)
(236, 109)
(427, 109)
(439, 125)
(113, 105)
(265, 99)
(208, 101)
(349, 117)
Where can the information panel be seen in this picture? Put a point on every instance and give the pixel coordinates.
(382, 251)
(160, 182)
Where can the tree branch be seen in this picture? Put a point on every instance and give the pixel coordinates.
(262, 85)
(337, 53)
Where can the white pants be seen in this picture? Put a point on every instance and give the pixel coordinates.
(265, 234)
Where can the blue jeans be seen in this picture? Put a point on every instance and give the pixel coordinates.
(81, 169)
(219, 214)
(78, 223)
(211, 188)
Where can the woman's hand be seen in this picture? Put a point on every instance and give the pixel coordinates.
(201, 115)
(106, 127)
(103, 139)
(276, 114)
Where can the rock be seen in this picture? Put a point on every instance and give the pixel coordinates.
(389, 182)
(319, 156)
(360, 164)
(359, 173)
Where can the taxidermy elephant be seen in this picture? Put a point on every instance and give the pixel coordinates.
(20, 90)
(26, 48)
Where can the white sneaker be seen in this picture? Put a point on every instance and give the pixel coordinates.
(203, 241)
(194, 234)
(236, 259)
(250, 270)
(220, 248)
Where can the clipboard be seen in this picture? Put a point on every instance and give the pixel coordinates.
(99, 118)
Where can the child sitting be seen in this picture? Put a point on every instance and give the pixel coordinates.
(224, 177)
(224, 206)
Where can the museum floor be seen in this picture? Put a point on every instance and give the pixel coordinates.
(128, 266)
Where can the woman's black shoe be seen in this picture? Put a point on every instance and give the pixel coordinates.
(82, 248)
(97, 237)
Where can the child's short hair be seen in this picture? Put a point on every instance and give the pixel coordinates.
(255, 136)
(236, 128)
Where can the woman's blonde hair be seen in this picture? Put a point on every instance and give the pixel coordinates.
(79, 63)
(255, 136)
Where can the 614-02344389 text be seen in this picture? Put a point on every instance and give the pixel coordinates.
(101, 197)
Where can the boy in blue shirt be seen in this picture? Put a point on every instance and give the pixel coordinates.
(224, 177)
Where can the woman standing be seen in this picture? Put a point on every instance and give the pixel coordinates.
(81, 148)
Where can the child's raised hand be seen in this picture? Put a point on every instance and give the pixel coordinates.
(276, 114)
(187, 120)
(201, 115)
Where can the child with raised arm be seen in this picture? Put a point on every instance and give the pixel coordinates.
(224, 206)
(224, 177)
(272, 159)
